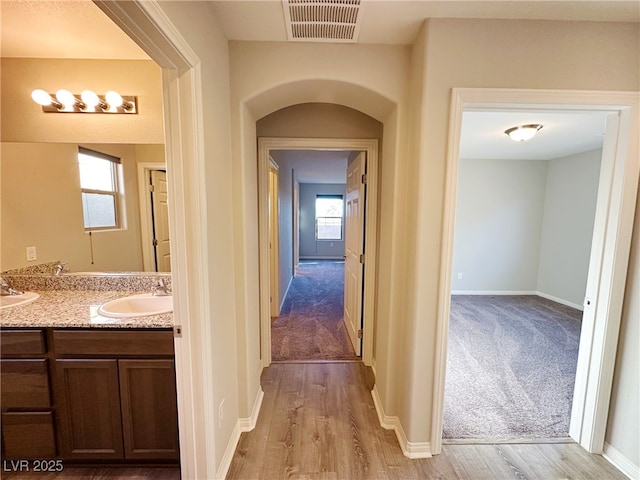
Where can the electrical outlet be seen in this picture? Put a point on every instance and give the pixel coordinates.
(220, 413)
(31, 254)
(459, 275)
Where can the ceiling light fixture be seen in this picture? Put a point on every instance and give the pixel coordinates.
(87, 102)
(522, 133)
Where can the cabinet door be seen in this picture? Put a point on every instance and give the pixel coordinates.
(149, 409)
(89, 408)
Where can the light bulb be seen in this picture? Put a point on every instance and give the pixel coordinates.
(113, 99)
(41, 97)
(66, 98)
(90, 98)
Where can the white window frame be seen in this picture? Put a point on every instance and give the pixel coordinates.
(115, 193)
(341, 217)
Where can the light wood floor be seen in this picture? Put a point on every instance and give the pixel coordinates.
(318, 421)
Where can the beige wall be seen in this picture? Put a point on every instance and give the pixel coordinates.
(24, 121)
(623, 429)
(266, 77)
(42, 207)
(227, 372)
(446, 54)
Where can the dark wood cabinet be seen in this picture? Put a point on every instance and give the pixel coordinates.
(28, 430)
(149, 413)
(25, 384)
(28, 435)
(89, 395)
(89, 413)
(117, 394)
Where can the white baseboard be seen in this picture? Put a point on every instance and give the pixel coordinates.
(242, 425)
(561, 301)
(409, 449)
(621, 462)
(519, 292)
(248, 424)
(284, 297)
(493, 292)
(321, 257)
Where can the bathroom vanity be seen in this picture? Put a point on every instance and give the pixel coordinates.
(80, 387)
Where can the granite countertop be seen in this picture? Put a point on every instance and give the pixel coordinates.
(76, 308)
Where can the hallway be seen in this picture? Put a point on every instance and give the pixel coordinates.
(311, 325)
(318, 421)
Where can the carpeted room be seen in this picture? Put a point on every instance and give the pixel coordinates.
(521, 258)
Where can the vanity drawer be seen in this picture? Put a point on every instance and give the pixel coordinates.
(112, 343)
(28, 435)
(22, 342)
(25, 384)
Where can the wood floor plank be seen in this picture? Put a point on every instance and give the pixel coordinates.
(572, 461)
(322, 425)
(480, 462)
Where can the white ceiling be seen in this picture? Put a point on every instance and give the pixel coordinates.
(562, 134)
(316, 166)
(79, 29)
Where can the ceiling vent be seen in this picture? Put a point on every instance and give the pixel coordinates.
(323, 20)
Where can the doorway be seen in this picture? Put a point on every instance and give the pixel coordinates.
(154, 217)
(609, 253)
(524, 223)
(369, 147)
(318, 318)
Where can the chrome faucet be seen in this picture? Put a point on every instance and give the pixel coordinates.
(160, 289)
(5, 289)
(60, 269)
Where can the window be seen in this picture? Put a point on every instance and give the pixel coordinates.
(329, 213)
(99, 184)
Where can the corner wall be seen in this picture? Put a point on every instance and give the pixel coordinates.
(571, 193)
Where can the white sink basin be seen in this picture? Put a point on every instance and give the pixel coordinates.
(140, 305)
(7, 301)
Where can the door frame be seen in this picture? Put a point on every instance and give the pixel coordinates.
(609, 260)
(274, 239)
(146, 23)
(146, 213)
(370, 146)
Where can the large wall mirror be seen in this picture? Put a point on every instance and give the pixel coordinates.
(45, 207)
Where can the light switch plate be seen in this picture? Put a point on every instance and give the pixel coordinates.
(31, 254)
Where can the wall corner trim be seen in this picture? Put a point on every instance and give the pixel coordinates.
(248, 424)
(242, 425)
(411, 450)
(622, 463)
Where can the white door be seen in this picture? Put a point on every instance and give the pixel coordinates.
(160, 220)
(354, 247)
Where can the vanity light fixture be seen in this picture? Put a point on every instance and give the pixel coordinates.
(522, 133)
(87, 102)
